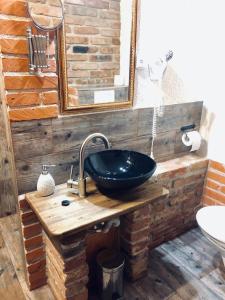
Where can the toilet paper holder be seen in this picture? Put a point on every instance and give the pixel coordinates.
(186, 128)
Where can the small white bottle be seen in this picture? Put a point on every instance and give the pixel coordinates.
(46, 183)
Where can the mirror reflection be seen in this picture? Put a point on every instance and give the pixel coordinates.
(97, 49)
(46, 14)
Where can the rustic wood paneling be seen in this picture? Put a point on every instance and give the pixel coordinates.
(57, 141)
(8, 188)
(9, 284)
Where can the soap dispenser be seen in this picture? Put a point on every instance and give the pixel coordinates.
(46, 183)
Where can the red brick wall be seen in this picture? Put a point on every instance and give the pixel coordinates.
(28, 96)
(214, 191)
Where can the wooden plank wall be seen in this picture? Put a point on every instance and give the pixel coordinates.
(8, 188)
(57, 141)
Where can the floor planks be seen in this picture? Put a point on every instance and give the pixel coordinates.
(183, 269)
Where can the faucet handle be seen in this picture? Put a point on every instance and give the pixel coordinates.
(72, 183)
(71, 172)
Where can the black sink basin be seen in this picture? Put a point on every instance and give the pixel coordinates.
(119, 169)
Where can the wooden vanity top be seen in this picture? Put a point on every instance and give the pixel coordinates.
(96, 207)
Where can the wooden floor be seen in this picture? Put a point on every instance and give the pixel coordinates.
(185, 268)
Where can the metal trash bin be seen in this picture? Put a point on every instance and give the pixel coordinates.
(110, 274)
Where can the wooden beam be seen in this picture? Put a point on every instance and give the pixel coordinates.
(8, 185)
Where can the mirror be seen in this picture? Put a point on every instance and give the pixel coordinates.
(46, 14)
(97, 54)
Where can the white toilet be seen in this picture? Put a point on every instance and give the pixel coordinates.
(211, 220)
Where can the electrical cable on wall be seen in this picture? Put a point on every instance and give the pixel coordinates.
(156, 72)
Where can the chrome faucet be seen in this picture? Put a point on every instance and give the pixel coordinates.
(80, 184)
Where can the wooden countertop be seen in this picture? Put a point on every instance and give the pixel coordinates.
(95, 208)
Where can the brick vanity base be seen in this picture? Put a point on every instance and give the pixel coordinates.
(34, 249)
(67, 267)
(134, 237)
(163, 219)
(170, 217)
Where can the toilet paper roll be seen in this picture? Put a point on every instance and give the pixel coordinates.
(193, 139)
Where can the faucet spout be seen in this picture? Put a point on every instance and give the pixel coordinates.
(82, 179)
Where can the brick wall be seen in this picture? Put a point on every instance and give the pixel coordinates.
(92, 42)
(28, 96)
(214, 191)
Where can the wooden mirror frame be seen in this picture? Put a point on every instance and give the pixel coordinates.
(63, 78)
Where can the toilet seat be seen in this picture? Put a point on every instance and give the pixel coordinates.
(211, 220)
(216, 243)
